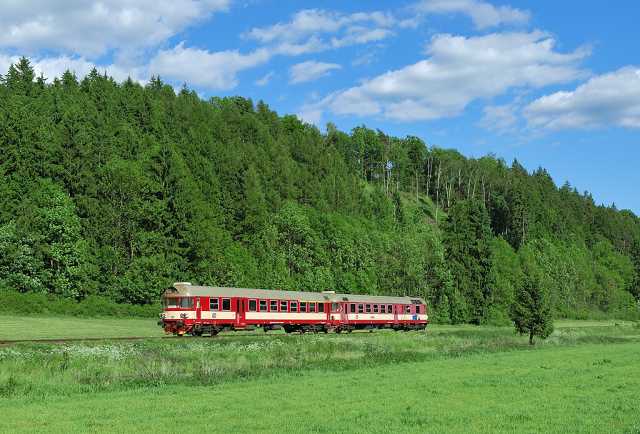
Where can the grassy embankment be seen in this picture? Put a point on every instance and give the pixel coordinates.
(449, 379)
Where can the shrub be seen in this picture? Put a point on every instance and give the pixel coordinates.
(33, 303)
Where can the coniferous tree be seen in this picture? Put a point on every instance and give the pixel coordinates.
(531, 311)
(467, 242)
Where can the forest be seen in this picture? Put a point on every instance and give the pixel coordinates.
(117, 190)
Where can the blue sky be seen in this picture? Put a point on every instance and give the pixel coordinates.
(550, 83)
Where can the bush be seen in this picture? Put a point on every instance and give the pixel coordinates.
(32, 303)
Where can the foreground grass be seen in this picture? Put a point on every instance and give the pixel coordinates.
(585, 388)
(44, 371)
(52, 327)
(584, 378)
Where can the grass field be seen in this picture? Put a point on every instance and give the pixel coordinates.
(590, 388)
(584, 378)
(54, 327)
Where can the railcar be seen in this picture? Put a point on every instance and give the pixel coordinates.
(198, 310)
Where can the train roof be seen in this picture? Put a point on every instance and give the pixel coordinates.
(186, 289)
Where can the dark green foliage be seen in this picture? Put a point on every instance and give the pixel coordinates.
(467, 241)
(118, 190)
(15, 303)
(531, 310)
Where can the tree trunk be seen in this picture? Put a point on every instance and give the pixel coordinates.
(438, 191)
(531, 337)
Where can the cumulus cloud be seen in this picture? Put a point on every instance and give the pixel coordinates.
(309, 30)
(310, 70)
(482, 14)
(92, 29)
(212, 70)
(459, 70)
(500, 118)
(611, 99)
(311, 115)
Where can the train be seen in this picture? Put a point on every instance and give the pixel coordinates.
(208, 310)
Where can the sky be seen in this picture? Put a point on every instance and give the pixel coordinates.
(554, 84)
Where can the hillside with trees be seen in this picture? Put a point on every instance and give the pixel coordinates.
(118, 190)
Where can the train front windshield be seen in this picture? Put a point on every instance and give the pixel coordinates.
(178, 302)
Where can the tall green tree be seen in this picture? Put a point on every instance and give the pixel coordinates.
(468, 251)
(531, 311)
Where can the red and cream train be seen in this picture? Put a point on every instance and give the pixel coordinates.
(198, 310)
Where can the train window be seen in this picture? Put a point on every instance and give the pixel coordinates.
(407, 309)
(214, 304)
(274, 306)
(171, 302)
(352, 308)
(312, 307)
(389, 308)
(303, 306)
(367, 308)
(375, 308)
(226, 304)
(263, 305)
(253, 305)
(417, 308)
(320, 307)
(283, 306)
(383, 308)
(335, 307)
(186, 303)
(360, 308)
(293, 306)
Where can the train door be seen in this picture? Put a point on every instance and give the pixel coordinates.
(344, 314)
(396, 308)
(241, 308)
(335, 313)
(198, 309)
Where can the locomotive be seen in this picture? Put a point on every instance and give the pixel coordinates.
(198, 310)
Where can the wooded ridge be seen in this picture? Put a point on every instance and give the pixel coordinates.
(119, 189)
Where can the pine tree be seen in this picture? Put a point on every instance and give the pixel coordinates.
(468, 250)
(531, 311)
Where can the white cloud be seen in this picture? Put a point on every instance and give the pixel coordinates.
(311, 115)
(482, 14)
(308, 29)
(265, 79)
(611, 99)
(310, 70)
(92, 29)
(212, 70)
(459, 70)
(499, 118)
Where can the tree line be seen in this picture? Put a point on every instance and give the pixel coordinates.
(119, 189)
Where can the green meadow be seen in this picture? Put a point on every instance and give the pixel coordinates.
(61, 327)
(584, 378)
